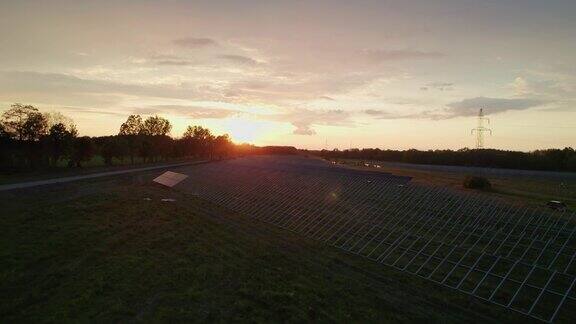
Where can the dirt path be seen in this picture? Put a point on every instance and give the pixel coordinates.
(29, 184)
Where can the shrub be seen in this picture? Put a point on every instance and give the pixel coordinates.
(475, 182)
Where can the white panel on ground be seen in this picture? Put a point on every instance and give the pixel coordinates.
(170, 179)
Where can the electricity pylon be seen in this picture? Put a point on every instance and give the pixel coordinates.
(480, 129)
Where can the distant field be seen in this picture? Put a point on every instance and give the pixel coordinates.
(517, 186)
(101, 251)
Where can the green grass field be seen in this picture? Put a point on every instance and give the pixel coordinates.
(98, 251)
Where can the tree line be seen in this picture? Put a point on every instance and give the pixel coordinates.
(30, 139)
(549, 159)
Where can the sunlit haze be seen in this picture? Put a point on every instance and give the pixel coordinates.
(312, 74)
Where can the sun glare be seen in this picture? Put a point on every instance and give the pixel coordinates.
(243, 130)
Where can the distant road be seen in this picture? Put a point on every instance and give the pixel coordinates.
(495, 172)
(29, 184)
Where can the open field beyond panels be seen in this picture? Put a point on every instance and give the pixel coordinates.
(280, 239)
(522, 186)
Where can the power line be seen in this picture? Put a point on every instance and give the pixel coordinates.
(480, 129)
(536, 126)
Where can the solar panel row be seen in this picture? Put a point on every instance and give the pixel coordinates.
(517, 257)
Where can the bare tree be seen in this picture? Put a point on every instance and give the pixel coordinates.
(56, 117)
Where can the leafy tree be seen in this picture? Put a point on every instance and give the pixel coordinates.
(4, 135)
(222, 146)
(198, 133)
(61, 140)
(132, 126)
(198, 140)
(111, 149)
(5, 146)
(156, 126)
(83, 151)
(550, 159)
(130, 131)
(571, 163)
(145, 151)
(34, 127)
(14, 119)
(161, 147)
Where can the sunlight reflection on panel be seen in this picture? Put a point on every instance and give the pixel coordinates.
(170, 179)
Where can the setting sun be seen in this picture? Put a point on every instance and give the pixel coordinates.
(243, 130)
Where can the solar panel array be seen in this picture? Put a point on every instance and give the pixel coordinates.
(517, 257)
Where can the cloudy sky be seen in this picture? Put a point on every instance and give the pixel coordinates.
(382, 73)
